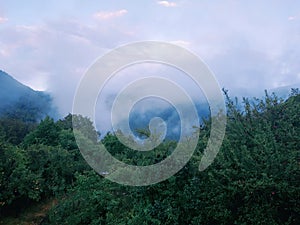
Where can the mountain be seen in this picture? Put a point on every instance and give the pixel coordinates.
(21, 102)
(140, 119)
(284, 91)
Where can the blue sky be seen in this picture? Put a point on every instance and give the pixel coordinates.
(249, 45)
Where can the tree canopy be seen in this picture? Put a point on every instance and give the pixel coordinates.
(255, 178)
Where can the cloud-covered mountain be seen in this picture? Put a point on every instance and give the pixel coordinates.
(140, 121)
(140, 118)
(21, 102)
(146, 110)
(284, 91)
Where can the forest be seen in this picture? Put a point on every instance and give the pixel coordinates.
(255, 178)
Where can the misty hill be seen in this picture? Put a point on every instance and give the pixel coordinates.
(285, 91)
(140, 119)
(21, 102)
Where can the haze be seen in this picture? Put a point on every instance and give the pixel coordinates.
(250, 46)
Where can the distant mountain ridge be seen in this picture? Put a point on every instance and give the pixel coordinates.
(20, 101)
(284, 91)
(10, 89)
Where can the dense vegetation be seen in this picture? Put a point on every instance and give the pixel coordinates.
(255, 178)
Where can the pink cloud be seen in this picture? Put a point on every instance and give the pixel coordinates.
(167, 3)
(3, 19)
(104, 15)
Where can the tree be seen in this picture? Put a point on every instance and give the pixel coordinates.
(253, 180)
(47, 133)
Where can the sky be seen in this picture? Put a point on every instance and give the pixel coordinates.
(249, 45)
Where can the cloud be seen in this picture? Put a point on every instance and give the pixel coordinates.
(291, 18)
(236, 44)
(104, 15)
(3, 19)
(53, 56)
(167, 3)
(294, 17)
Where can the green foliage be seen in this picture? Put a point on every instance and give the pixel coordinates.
(14, 130)
(254, 179)
(17, 182)
(86, 127)
(44, 164)
(91, 189)
(56, 166)
(47, 133)
(133, 157)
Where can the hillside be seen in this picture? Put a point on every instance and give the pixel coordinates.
(253, 180)
(21, 102)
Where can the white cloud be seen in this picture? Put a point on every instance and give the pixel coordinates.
(3, 19)
(167, 3)
(295, 16)
(53, 56)
(292, 18)
(104, 15)
(236, 45)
